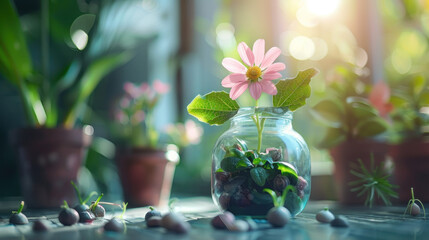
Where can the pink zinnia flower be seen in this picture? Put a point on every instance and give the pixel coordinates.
(379, 98)
(258, 73)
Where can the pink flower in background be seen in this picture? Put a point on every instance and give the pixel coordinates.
(160, 87)
(132, 90)
(379, 97)
(258, 73)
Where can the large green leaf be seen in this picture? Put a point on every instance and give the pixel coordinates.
(292, 93)
(90, 79)
(15, 61)
(329, 112)
(370, 127)
(213, 108)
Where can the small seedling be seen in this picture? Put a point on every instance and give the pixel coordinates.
(153, 212)
(68, 216)
(412, 208)
(97, 209)
(325, 216)
(117, 224)
(17, 217)
(278, 216)
(85, 214)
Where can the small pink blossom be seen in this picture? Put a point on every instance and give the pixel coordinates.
(132, 90)
(193, 132)
(379, 98)
(160, 87)
(258, 73)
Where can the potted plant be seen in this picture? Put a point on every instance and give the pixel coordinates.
(353, 126)
(51, 150)
(260, 150)
(410, 136)
(146, 166)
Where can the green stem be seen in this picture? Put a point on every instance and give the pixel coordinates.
(21, 207)
(412, 194)
(96, 202)
(77, 192)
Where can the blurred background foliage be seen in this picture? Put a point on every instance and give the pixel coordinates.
(183, 42)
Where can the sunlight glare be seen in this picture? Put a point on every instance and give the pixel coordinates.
(301, 48)
(322, 7)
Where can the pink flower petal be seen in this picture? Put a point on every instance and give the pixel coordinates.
(246, 54)
(275, 67)
(270, 57)
(255, 90)
(233, 65)
(268, 87)
(237, 90)
(160, 87)
(379, 97)
(232, 79)
(271, 76)
(258, 51)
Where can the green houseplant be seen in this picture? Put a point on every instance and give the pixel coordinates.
(51, 149)
(146, 166)
(409, 135)
(353, 125)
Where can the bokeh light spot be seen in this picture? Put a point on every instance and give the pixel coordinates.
(301, 48)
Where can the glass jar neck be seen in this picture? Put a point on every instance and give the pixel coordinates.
(271, 116)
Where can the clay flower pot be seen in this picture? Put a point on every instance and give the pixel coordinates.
(411, 159)
(146, 175)
(345, 157)
(49, 158)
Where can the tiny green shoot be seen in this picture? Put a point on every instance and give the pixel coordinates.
(66, 205)
(21, 207)
(82, 201)
(171, 204)
(412, 201)
(279, 201)
(124, 208)
(151, 208)
(96, 202)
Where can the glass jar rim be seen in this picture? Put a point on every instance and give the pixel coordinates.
(266, 112)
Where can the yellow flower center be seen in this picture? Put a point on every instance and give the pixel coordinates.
(253, 73)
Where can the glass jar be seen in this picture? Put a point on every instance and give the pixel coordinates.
(260, 151)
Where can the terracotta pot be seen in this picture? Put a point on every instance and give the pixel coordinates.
(411, 159)
(49, 158)
(146, 176)
(345, 157)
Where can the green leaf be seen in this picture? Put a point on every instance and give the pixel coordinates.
(287, 170)
(361, 108)
(259, 175)
(370, 127)
(419, 83)
(333, 137)
(68, 77)
(329, 112)
(90, 79)
(15, 61)
(424, 99)
(213, 108)
(292, 93)
(233, 164)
